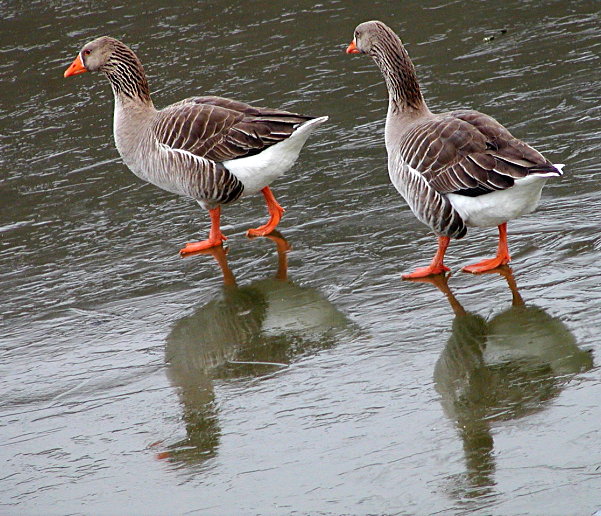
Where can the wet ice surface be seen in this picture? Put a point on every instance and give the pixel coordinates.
(133, 378)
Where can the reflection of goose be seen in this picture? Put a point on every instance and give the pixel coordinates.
(501, 369)
(245, 331)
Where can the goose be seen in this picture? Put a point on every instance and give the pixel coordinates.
(212, 149)
(457, 169)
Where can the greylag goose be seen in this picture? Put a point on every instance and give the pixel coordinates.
(212, 149)
(456, 169)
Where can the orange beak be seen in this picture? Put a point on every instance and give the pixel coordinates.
(352, 48)
(76, 68)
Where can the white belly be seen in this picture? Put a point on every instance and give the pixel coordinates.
(500, 206)
(258, 171)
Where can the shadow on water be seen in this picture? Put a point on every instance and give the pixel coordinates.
(246, 331)
(500, 369)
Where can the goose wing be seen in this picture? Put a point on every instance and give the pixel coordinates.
(469, 153)
(220, 129)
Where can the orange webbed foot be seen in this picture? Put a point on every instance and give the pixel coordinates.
(487, 265)
(216, 237)
(194, 247)
(266, 229)
(502, 258)
(436, 266)
(423, 272)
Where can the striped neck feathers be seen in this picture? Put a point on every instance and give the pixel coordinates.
(126, 75)
(399, 73)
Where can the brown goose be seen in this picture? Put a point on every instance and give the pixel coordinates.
(212, 149)
(454, 169)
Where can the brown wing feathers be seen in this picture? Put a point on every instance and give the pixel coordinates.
(220, 129)
(469, 153)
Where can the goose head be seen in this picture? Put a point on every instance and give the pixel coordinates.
(103, 54)
(380, 42)
(118, 63)
(369, 36)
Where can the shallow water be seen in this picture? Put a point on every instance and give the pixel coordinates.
(310, 379)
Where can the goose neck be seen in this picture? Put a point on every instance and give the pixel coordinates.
(399, 74)
(129, 83)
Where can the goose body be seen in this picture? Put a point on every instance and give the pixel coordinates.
(457, 169)
(212, 149)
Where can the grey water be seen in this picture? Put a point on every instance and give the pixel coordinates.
(296, 373)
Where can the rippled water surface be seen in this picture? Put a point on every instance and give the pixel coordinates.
(297, 373)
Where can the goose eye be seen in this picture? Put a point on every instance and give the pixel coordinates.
(87, 52)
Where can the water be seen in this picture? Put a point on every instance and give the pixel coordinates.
(309, 380)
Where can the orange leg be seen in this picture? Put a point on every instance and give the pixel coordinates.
(436, 267)
(216, 237)
(502, 257)
(275, 215)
